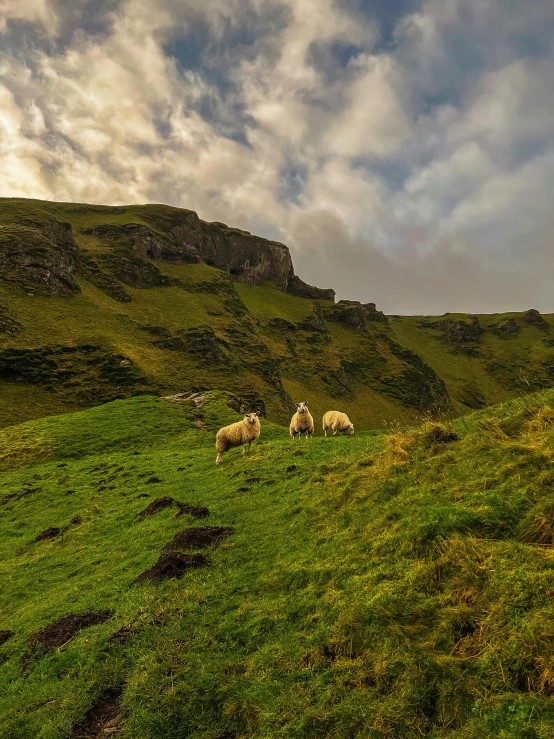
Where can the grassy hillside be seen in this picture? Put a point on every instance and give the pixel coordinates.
(116, 323)
(382, 585)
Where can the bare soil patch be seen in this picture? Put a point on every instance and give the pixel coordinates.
(4, 636)
(173, 565)
(157, 505)
(60, 632)
(102, 718)
(197, 511)
(199, 538)
(50, 533)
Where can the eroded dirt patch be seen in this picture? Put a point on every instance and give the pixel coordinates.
(50, 533)
(102, 718)
(4, 636)
(62, 631)
(122, 635)
(197, 511)
(173, 565)
(198, 538)
(157, 505)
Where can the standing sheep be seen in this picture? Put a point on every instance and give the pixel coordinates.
(302, 422)
(243, 432)
(337, 422)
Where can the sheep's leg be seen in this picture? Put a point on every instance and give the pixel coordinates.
(244, 448)
(250, 442)
(218, 458)
(325, 431)
(335, 433)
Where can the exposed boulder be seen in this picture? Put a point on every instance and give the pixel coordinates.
(534, 318)
(354, 314)
(507, 330)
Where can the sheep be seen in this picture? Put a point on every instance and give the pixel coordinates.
(243, 432)
(337, 422)
(302, 422)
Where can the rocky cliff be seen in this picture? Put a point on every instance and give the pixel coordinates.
(41, 255)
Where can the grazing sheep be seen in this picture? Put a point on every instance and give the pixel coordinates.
(337, 422)
(243, 432)
(302, 422)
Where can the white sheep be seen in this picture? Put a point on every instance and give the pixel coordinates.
(338, 422)
(302, 422)
(243, 432)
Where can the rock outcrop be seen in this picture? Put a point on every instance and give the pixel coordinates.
(354, 314)
(40, 257)
(186, 239)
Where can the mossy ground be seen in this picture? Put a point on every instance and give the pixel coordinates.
(393, 584)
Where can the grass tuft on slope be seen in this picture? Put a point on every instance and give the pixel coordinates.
(381, 585)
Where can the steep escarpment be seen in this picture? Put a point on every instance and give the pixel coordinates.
(40, 254)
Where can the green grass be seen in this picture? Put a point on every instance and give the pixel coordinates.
(390, 585)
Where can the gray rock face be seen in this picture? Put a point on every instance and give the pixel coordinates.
(42, 257)
(39, 257)
(189, 240)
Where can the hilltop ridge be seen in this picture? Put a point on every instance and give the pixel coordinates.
(99, 303)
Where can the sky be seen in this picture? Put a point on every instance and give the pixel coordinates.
(402, 149)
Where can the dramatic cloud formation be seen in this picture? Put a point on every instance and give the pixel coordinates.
(403, 149)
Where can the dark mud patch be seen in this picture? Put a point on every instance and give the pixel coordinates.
(197, 511)
(122, 635)
(157, 505)
(50, 533)
(60, 632)
(76, 520)
(4, 636)
(291, 468)
(243, 490)
(143, 495)
(253, 480)
(103, 717)
(153, 480)
(199, 538)
(174, 565)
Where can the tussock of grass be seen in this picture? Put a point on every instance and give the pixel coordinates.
(380, 585)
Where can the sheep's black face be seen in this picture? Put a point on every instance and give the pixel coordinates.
(302, 407)
(252, 417)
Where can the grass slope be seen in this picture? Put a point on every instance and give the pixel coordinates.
(381, 585)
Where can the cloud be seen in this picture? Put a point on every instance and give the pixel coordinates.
(415, 173)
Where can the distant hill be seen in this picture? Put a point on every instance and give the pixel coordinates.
(99, 303)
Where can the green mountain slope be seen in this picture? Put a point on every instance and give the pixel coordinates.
(99, 303)
(381, 585)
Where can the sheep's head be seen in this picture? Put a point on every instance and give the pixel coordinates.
(350, 429)
(302, 407)
(252, 417)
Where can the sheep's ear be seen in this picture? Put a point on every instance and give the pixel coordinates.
(306, 405)
(297, 405)
(247, 415)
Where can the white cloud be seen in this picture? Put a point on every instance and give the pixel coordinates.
(422, 174)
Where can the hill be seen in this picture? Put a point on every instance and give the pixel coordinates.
(381, 585)
(99, 303)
